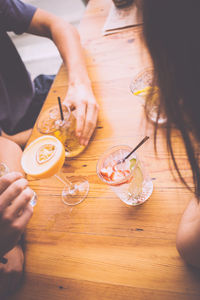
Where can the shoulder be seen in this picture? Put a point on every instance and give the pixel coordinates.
(14, 6)
(15, 15)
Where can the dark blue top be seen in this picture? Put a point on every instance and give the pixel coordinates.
(16, 88)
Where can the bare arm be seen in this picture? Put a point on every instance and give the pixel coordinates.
(188, 235)
(80, 95)
(20, 138)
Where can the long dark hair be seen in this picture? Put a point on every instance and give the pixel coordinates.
(172, 34)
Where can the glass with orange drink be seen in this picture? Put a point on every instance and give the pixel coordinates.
(43, 158)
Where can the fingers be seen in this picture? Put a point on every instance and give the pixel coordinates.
(81, 111)
(24, 218)
(15, 210)
(82, 98)
(69, 104)
(12, 192)
(20, 203)
(8, 179)
(90, 123)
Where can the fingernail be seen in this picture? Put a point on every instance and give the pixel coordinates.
(18, 174)
(78, 133)
(82, 141)
(33, 201)
(86, 142)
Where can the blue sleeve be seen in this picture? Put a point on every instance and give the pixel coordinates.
(15, 15)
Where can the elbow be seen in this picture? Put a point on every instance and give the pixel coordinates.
(70, 28)
(188, 250)
(62, 26)
(180, 246)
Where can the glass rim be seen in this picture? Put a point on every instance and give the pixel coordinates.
(48, 110)
(103, 156)
(6, 168)
(149, 69)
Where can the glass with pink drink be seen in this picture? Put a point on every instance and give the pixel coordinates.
(128, 179)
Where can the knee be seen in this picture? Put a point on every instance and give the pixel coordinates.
(10, 154)
(9, 147)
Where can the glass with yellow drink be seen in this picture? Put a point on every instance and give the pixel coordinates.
(143, 86)
(51, 123)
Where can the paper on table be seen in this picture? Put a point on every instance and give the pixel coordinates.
(120, 18)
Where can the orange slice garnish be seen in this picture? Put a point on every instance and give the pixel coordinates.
(45, 153)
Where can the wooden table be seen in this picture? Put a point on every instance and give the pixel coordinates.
(103, 249)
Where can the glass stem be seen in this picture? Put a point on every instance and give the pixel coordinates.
(72, 187)
(66, 181)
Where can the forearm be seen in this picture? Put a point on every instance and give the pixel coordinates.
(79, 95)
(20, 138)
(188, 234)
(67, 40)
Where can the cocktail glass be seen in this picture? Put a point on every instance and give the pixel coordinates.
(50, 123)
(43, 158)
(142, 86)
(129, 180)
(5, 170)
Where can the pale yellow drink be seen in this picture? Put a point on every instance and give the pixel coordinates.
(65, 130)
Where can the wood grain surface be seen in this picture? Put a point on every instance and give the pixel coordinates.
(103, 249)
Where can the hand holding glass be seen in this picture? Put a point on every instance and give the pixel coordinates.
(5, 170)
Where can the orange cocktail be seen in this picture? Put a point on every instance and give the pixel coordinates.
(43, 158)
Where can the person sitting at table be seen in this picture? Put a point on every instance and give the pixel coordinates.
(15, 212)
(20, 103)
(20, 99)
(171, 31)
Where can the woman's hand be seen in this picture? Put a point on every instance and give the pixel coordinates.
(11, 272)
(81, 98)
(15, 210)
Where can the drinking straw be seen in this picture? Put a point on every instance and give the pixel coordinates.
(60, 107)
(140, 144)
